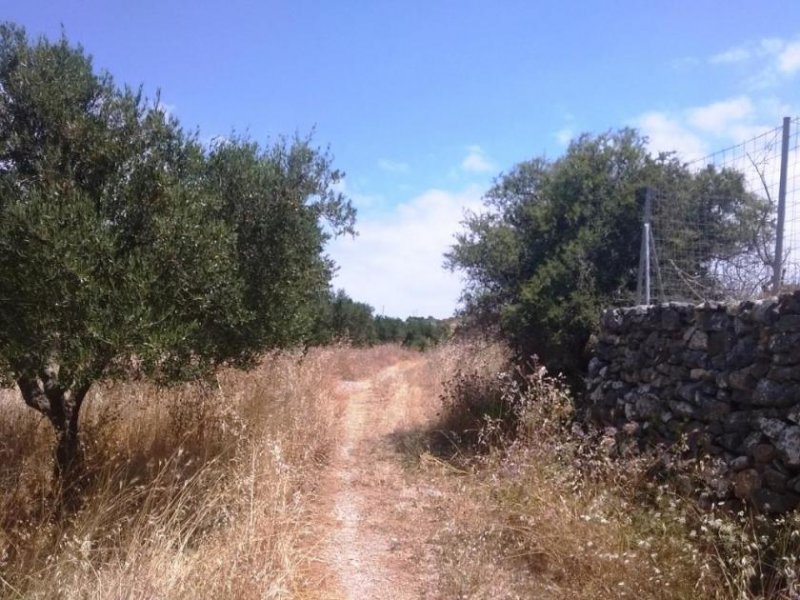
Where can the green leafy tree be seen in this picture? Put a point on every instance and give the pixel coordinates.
(342, 318)
(389, 329)
(424, 332)
(275, 200)
(717, 239)
(128, 249)
(560, 240)
(351, 320)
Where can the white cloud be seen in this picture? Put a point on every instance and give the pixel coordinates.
(667, 134)
(770, 46)
(476, 161)
(359, 199)
(718, 117)
(789, 58)
(764, 48)
(732, 55)
(564, 136)
(773, 60)
(395, 263)
(696, 131)
(393, 166)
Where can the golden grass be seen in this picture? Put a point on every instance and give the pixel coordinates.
(209, 491)
(353, 363)
(548, 513)
(201, 491)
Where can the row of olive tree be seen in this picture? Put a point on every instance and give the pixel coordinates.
(129, 249)
(559, 240)
(342, 318)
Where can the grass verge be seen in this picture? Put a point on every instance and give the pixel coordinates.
(201, 491)
(537, 507)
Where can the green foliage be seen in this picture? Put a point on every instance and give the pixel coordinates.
(424, 332)
(126, 248)
(718, 240)
(351, 320)
(389, 329)
(339, 317)
(560, 240)
(274, 200)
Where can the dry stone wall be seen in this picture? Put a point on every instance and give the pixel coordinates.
(725, 377)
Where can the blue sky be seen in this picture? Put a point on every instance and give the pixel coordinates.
(423, 103)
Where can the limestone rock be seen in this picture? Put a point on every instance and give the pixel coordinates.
(773, 393)
(788, 445)
(648, 406)
(788, 323)
(765, 311)
(741, 379)
(772, 428)
(681, 408)
(698, 341)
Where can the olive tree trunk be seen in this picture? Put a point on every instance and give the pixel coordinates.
(62, 408)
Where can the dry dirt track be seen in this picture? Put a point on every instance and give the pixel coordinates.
(378, 543)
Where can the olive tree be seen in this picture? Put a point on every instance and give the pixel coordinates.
(128, 248)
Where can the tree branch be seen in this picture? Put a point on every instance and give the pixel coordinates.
(34, 395)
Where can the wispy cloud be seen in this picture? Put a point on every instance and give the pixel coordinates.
(750, 50)
(359, 199)
(789, 58)
(477, 161)
(169, 109)
(732, 55)
(211, 141)
(718, 117)
(393, 166)
(564, 135)
(772, 60)
(698, 130)
(667, 133)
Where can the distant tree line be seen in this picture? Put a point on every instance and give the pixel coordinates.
(341, 318)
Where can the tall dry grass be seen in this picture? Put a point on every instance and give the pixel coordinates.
(534, 507)
(352, 363)
(201, 491)
(208, 491)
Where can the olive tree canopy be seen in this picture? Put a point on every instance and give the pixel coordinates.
(128, 248)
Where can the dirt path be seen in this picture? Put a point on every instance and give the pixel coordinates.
(378, 543)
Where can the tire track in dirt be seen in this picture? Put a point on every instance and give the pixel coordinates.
(378, 546)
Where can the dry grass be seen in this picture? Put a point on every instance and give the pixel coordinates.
(201, 491)
(208, 491)
(540, 510)
(353, 363)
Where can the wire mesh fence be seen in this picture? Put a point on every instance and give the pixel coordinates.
(718, 233)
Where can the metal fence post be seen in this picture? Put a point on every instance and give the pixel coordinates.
(643, 281)
(777, 274)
